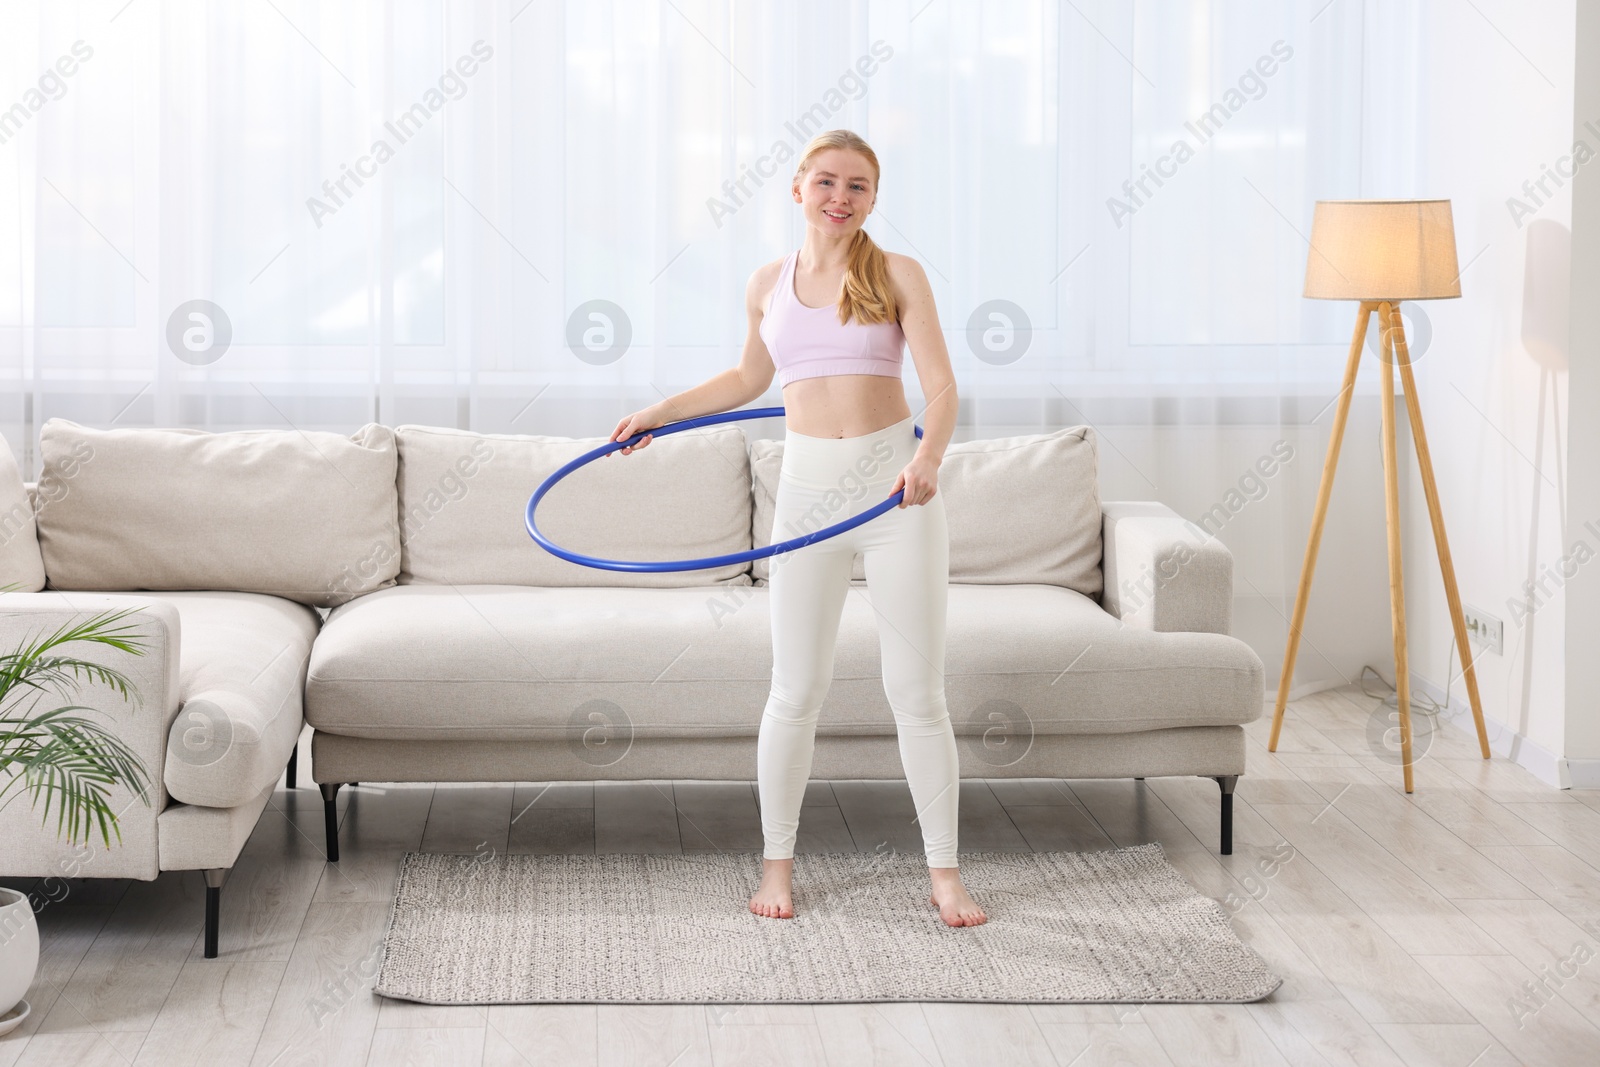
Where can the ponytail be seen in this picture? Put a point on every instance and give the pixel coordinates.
(867, 295)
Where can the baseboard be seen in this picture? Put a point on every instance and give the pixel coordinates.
(1299, 692)
(1507, 743)
(1583, 773)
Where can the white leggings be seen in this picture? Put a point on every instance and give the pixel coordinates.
(906, 557)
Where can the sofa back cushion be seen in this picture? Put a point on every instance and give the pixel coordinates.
(464, 496)
(1021, 510)
(307, 515)
(21, 566)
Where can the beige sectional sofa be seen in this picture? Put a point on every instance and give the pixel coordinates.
(224, 546)
(383, 583)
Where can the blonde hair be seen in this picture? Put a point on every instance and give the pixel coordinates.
(866, 294)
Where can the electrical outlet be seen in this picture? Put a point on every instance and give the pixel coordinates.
(1484, 630)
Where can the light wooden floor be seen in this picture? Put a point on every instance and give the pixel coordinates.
(1406, 928)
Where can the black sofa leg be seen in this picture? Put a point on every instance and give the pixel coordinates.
(293, 769)
(1227, 782)
(214, 879)
(330, 818)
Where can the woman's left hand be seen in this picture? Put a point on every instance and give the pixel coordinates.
(920, 480)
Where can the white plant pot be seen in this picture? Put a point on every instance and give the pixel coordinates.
(19, 948)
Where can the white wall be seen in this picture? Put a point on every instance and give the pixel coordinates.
(1583, 440)
(1495, 96)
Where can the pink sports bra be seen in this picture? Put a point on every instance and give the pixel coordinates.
(807, 342)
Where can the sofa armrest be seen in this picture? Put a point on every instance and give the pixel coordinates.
(28, 846)
(1162, 572)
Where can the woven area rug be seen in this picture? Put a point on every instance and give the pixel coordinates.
(1117, 926)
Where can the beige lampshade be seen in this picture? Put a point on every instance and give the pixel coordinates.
(1382, 250)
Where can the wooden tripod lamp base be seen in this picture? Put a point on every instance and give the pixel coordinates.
(1379, 252)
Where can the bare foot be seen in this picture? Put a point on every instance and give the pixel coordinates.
(773, 899)
(956, 906)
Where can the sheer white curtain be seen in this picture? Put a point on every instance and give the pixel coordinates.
(535, 215)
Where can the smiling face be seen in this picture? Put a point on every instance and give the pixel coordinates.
(837, 192)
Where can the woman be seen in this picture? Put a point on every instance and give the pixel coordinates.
(831, 320)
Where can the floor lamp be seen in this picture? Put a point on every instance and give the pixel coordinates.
(1380, 252)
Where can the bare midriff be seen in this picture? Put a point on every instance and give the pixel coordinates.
(844, 405)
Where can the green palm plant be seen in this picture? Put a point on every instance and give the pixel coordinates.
(57, 755)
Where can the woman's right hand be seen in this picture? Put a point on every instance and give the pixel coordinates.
(644, 419)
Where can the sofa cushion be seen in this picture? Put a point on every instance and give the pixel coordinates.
(464, 497)
(21, 566)
(241, 668)
(307, 515)
(1020, 509)
(489, 662)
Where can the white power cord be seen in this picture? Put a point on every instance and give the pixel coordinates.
(1420, 702)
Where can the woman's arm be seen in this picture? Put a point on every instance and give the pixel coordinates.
(726, 390)
(919, 320)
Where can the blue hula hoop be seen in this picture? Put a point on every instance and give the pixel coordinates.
(708, 561)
